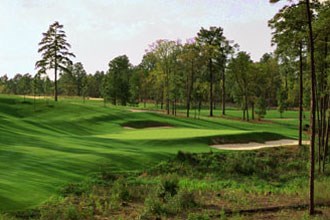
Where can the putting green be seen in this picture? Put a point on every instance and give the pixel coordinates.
(168, 133)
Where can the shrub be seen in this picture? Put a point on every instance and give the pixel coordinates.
(153, 206)
(66, 209)
(197, 216)
(6, 217)
(182, 201)
(168, 185)
(261, 106)
(120, 191)
(74, 189)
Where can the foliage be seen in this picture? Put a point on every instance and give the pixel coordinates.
(116, 84)
(166, 193)
(55, 52)
(261, 106)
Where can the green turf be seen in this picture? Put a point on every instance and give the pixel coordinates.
(46, 145)
(168, 134)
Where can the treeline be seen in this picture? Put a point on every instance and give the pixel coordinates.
(71, 83)
(207, 69)
(173, 74)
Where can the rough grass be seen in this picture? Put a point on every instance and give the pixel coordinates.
(44, 145)
(215, 185)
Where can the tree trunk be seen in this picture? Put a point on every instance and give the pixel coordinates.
(190, 85)
(223, 92)
(326, 145)
(195, 115)
(252, 110)
(312, 114)
(188, 96)
(326, 105)
(211, 88)
(199, 108)
(55, 81)
(246, 108)
(34, 100)
(167, 93)
(243, 113)
(162, 99)
(319, 123)
(300, 94)
(175, 106)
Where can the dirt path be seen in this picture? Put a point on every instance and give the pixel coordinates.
(255, 146)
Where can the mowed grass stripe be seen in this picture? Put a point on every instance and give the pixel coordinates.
(168, 133)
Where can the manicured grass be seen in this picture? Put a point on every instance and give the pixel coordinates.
(47, 145)
(169, 134)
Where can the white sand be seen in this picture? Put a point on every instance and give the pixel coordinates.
(255, 146)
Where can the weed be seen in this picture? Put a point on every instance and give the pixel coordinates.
(169, 185)
(198, 216)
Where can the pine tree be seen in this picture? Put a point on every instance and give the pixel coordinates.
(55, 53)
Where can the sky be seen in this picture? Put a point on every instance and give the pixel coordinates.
(100, 30)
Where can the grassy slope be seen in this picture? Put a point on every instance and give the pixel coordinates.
(63, 142)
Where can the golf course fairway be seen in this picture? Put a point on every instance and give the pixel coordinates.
(45, 145)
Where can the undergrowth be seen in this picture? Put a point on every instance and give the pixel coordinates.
(188, 186)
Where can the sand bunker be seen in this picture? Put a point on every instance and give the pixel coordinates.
(138, 110)
(255, 146)
(154, 127)
(145, 124)
(142, 110)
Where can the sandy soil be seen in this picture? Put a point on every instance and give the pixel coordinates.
(138, 110)
(283, 119)
(255, 146)
(96, 99)
(36, 97)
(142, 110)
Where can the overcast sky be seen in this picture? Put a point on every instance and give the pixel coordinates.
(100, 30)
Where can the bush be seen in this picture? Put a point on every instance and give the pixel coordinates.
(120, 191)
(169, 185)
(197, 216)
(153, 206)
(182, 201)
(74, 189)
(66, 209)
(261, 106)
(6, 217)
